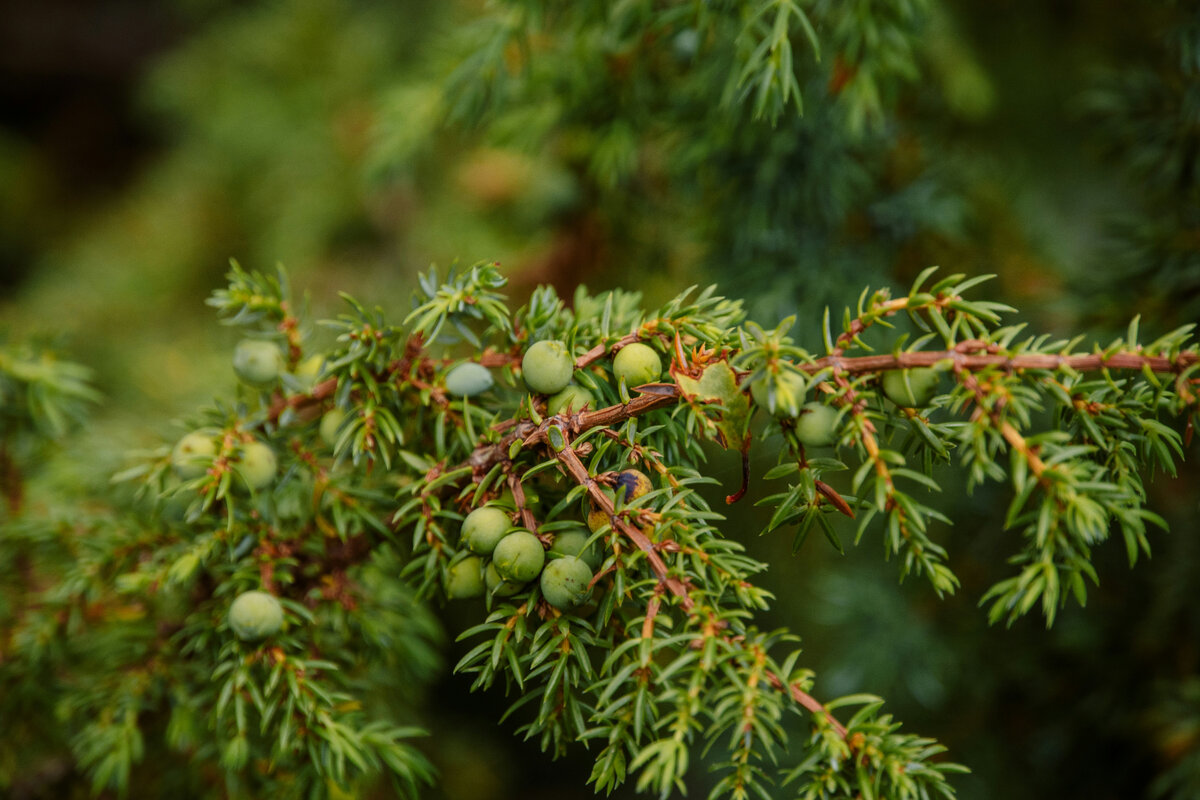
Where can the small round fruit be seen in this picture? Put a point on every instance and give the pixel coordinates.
(817, 425)
(637, 364)
(308, 370)
(255, 615)
(911, 388)
(635, 483)
(258, 465)
(519, 557)
(464, 579)
(596, 519)
(497, 586)
(483, 529)
(330, 422)
(686, 44)
(789, 394)
(193, 454)
(257, 362)
(570, 400)
(468, 379)
(565, 582)
(547, 367)
(572, 543)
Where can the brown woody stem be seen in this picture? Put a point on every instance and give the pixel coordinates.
(1080, 363)
(570, 461)
(808, 701)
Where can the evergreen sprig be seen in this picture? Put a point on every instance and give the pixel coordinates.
(766, 125)
(41, 394)
(378, 459)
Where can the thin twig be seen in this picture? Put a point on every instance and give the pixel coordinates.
(808, 701)
(1090, 362)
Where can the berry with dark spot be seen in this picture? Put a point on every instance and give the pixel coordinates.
(635, 484)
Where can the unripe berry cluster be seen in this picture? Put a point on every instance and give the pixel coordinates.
(504, 559)
(548, 368)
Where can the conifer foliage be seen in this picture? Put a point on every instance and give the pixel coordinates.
(260, 610)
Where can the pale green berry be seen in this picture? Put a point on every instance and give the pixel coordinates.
(255, 615)
(330, 423)
(497, 586)
(637, 364)
(547, 367)
(571, 400)
(788, 395)
(817, 425)
(483, 529)
(573, 543)
(464, 579)
(258, 465)
(468, 379)
(308, 370)
(911, 388)
(193, 454)
(257, 362)
(565, 582)
(519, 557)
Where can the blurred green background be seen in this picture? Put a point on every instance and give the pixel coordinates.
(1051, 143)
